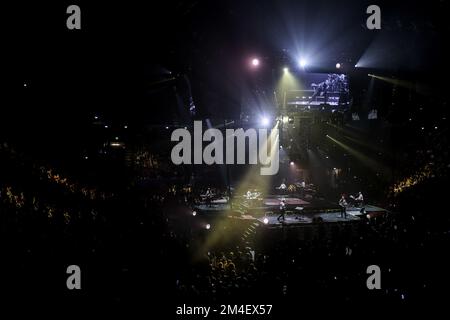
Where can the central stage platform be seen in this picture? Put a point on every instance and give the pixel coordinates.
(306, 218)
(298, 211)
(288, 201)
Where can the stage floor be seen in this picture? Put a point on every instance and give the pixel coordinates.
(298, 211)
(353, 214)
(297, 218)
(288, 200)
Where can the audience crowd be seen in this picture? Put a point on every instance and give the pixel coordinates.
(135, 241)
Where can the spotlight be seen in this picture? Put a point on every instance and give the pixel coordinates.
(266, 221)
(208, 226)
(356, 65)
(265, 121)
(286, 69)
(194, 213)
(255, 62)
(338, 65)
(302, 63)
(115, 144)
(292, 163)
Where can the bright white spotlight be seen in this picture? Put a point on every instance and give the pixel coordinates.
(194, 213)
(208, 226)
(265, 121)
(266, 221)
(292, 163)
(116, 144)
(302, 63)
(255, 62)
(338, 65)
(286, 69)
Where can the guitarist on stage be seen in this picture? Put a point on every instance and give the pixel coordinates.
(343, 204)
(282, 211)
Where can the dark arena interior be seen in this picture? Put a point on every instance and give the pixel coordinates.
(224, 159)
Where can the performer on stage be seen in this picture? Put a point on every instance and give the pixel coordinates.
(282, 188)
(282, 211)
(209, 196)
(302, 189)
(358, 200)
(343, 204)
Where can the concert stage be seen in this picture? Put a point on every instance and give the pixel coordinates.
(298, 211)
(263, 205)
(294, 205)
(275, 201)
(299, 218)
(369, 210)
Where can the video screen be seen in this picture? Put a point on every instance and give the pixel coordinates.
(320, 89)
